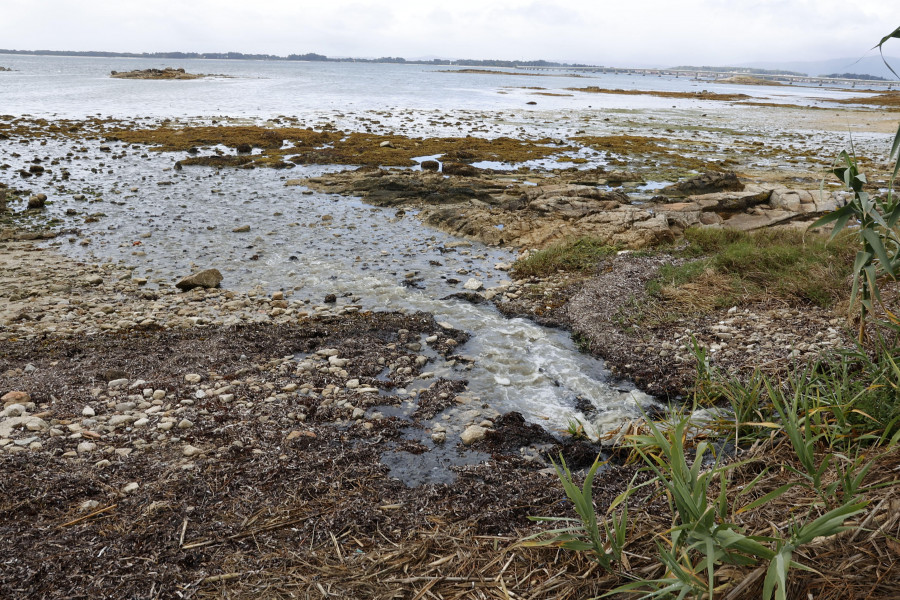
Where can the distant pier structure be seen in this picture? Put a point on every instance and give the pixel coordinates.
(713, 76)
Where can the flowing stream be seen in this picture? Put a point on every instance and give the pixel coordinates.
(310, 244)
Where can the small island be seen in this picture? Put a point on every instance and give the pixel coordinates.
(5, 69)
(167, 73)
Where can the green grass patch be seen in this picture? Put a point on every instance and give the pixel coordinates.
(578, 256)
(727, 267)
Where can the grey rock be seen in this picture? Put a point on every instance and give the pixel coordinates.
(210, 278)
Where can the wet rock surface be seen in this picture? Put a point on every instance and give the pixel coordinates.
(494, 211)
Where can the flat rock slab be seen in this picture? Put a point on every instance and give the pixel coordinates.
(748, 222)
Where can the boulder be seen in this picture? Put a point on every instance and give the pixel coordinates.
(210, 278)
(430, 165)
(37, 201)
(707, 183)
(461, 170)
(617, 177)
(732, 201)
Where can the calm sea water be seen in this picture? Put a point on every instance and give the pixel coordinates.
(79, 87)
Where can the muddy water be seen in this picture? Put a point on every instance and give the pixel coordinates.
(167, 223)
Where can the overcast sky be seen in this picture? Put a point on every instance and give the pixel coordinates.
(607, 32)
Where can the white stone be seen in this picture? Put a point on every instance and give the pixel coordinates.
(85, 447)
(473, 284)
(13, 410)
(36, 424)
(88, 505)
(185, 424)
(338, 362)
(131, 487)
(87, 411)
(472, 434)
(191, 451)
(116, 420)
(117, 383)
(193, 378)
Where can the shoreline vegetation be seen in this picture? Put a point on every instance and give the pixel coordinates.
(213, 442)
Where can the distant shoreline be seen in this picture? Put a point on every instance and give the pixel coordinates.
(309, 57)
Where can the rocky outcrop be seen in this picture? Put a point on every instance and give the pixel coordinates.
(627, 226)
(572, 200)
(494, 210)
(167, 73)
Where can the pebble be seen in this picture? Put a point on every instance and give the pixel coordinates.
(472, 434)
(131, 487)
(85, 447)
(185, 424)
(190, 451)
(16, 397)
(87, 411)
(193, 378)
(13, 410)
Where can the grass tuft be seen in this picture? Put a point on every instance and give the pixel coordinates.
(731, 267)
(580, 256)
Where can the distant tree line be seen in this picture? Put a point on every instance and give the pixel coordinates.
(310, 56)
(861, 76)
